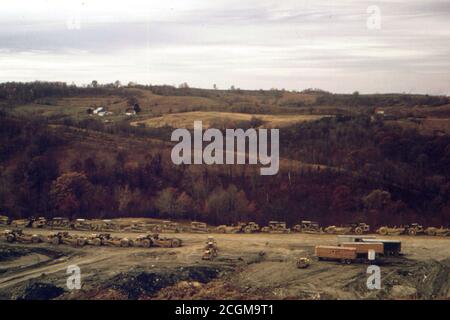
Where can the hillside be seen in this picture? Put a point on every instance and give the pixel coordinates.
(342, 160)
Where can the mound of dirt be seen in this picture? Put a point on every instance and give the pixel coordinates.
(10, 253)
(39, 291)
(138, 285)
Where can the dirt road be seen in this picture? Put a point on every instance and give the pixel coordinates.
(249, 266)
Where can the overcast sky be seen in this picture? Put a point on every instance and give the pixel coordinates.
(292, 44)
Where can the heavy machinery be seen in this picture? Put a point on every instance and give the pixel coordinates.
(228, 229)
(143, 227)
(105, 225)
(414, 229)
(21, 223)
(4, 220)
(154, 240)
(59, 223)
(63, 237)
(433, 231)
(199, 227)
(210, 250)
(82, 224)
(387, 231)
(249, 227)
(96, 239)
(107, 240)
(337, 230)
(40, 222)
(307, 226)
(359, 228)
(169, 226)
(303, 263)
(276, 227)
(241, 227)
(18, 235)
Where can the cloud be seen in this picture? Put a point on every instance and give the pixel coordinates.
(251, 44)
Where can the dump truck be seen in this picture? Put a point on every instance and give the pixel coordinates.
(387, 231)
(342, 254)
(199, 227)
(155, 240)
(414, 229)
(390, 247)
(17, 235)
(433, 231)
(359, 228)
(337, 230)
(307, 226)
(276, 227)
(4, 220)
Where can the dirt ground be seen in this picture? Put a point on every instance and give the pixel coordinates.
(249, 266)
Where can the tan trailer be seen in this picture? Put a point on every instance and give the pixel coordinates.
(362, 248)
(345, 255)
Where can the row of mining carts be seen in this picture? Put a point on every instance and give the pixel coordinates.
(352, 248)
(96, 239)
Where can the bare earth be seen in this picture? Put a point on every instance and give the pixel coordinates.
(252, 266)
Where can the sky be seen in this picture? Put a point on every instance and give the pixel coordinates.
(339, 46)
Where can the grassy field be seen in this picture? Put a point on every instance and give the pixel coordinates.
(186, 119)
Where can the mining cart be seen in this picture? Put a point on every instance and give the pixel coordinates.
(276, 227)
(17, 235)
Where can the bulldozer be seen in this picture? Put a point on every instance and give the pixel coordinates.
(17, 235)
(359, 228)
(386, 231)
(169, 226)
(40, 222)
(82, 224)
(4, 220)
(433, 231)
(60, 223)
(414, 229)
(199, 227)
(21, 223)
(276, 227)
(211, 249)
(307, 226)
(249, 227)
(337, 230)
(154, 240)
(65, 238)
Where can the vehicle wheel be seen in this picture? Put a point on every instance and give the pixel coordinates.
(175, 243)
(247, 230)
(10, 238)
(412, 232)
(358, 230)
(35, 239)
(55, 241)
(81, 242)
(432, 233)
(146, 243)
(383, 231)
(124, 243)
(97, 242)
